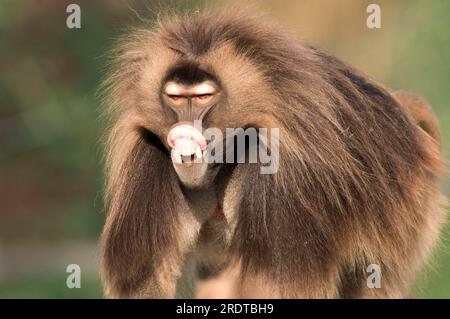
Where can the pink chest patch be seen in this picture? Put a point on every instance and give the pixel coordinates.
(217, 213)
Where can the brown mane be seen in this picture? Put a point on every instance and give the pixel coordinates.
(357, 182)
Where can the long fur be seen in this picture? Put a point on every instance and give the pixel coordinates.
(357, 182)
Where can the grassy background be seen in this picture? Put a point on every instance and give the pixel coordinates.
(50, 159)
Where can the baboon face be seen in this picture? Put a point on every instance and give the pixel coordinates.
(191, 95)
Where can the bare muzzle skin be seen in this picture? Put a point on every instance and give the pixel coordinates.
(190, 103)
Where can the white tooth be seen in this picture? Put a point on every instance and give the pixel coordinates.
(176, 156)
(180, 148)
(198, 152)
(184, 150)
(186, 147)
(183, 147)
(188, 150)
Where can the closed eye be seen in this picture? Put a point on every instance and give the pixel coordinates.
(204, 98)
(177, 99)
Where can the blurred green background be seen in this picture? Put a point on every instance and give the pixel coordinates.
(50, 158)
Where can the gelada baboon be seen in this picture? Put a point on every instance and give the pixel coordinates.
(356, 185)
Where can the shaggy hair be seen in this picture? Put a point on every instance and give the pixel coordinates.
(358, 173)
